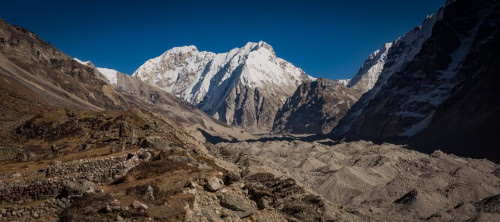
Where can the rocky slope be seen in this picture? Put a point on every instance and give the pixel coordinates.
(110, 75)
(146, 96)
(427, 72)
(315, 107)
(245, 86)
(75, 148)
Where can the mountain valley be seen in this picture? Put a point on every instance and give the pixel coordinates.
(247, 136)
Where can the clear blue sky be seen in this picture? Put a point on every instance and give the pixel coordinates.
(325, 38)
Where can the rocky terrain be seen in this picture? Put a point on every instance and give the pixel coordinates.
(243, 87)
(383, 182)
(75, 148)
(315, 108)
(82, 143)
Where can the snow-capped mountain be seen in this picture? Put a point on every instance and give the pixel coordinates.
(245, 86)
(432, 80)
(369, 72)
(380, 66)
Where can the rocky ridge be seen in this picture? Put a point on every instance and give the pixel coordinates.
(424, 74)
(315, 108)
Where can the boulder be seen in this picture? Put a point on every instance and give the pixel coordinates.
(116, 148)
(139, 206)
(115, 205)
(238, 204)
(126, 130)
(149, 195)
(78, 187)
(155, 142)
(146, 156)
(213, 184)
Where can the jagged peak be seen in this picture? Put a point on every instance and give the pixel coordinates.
(85, 63)
(182, 49)
(255, 46)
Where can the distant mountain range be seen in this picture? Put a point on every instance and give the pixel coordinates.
(422, 89)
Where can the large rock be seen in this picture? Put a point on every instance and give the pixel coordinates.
(117, 147)
(126, 130)
(238, 204)
(78, 187)
(155, 142)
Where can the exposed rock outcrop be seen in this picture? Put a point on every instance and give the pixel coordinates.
(438, 85)
(315, 108)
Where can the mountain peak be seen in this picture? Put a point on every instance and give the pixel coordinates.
(182, 49)
(213, 82)
(255, 46)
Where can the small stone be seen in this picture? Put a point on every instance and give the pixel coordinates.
(146, 156)
(213, 184)
(149, 196)
(54, 148)
(86, 146)
(120, 218)
(139, 206)
(262, 203)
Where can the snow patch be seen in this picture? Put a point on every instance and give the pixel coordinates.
(111, 75)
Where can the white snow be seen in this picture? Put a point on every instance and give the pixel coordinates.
(344, 82)
(86, 63)
(371, 69)
(446, 78)
(406, 48)
(193, 75)
(110, 74)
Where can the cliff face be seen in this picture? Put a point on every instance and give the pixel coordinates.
(369, 72)
(468, 122)
(315, 107)
(426, 97)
